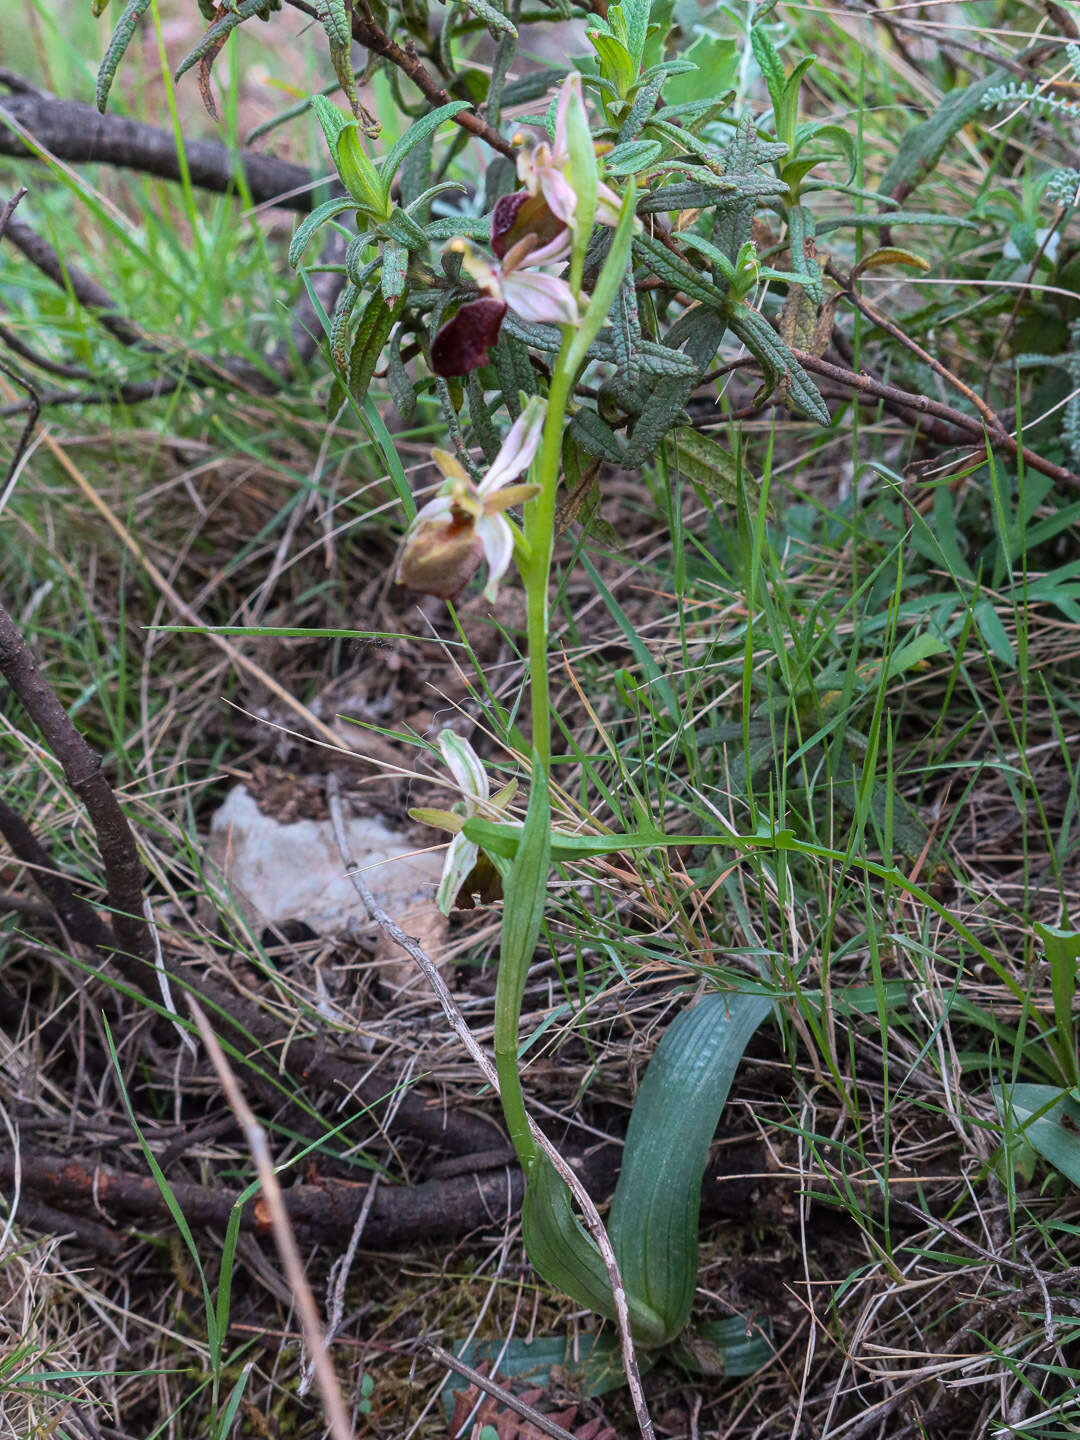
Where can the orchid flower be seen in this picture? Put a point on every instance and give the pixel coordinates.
(529, 229)
(524, 235)
(542, 165)
(462, 855)
(538, 298)
(465, 525)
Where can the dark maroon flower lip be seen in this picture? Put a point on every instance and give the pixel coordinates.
(521, 214)
(462, 344)
(502, 220)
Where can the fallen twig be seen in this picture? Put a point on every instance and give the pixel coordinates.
(132, 944)
(400, 1216)
(489, 1387)
(278, 1219)
(370, 34)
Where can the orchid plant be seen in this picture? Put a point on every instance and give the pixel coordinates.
(584, 290)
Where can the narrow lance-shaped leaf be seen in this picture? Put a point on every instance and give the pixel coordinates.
(705, 462)
(372, 333)
(114, 51)
(626, 330)
(218, 33)
(678, 273)
(395, 264)
(492, 17)
(923, 145)
(525, 887)
(661, 411)
(416, 134)
(779, 363)
(310, 223)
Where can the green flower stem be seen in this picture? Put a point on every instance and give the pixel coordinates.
(540, 535)
(507, 1014)
(535, 565)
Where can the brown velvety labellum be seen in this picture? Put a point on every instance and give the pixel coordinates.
(518, 215)
(441, 559)
(462, 344)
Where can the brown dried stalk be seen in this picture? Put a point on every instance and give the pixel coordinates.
(325, 1378)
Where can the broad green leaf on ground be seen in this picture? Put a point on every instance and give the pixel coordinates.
(654, 1215)
(1048, 1119)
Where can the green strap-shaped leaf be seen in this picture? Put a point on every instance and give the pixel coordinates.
(402, 389)
(629, 158)
(1046, 1118)
(491, 15)
(636, 13)
(372, 334)
(654, 1215)
(310, 223)
(339, 324)
(769, 63)
(417, 134)
(643, 107)
(743, 154)
(779, 363)
(923, 145)
(704, 461)
(404, 229)
(114, 52)
(801, 245)
(593, 435)
(657, 359)
(538, 337)
(446, 229)
(395, 266)
(331, 121)
(678, 273)
(731, 1347)
(660, 412)
(894, 217)
(562, 1251)
(334, 18)
(626, 330)
(694, 196)
(532, 87)
(480, 418)
(218, 32)
(515, 372)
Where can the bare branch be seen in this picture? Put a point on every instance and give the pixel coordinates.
(78, 134)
